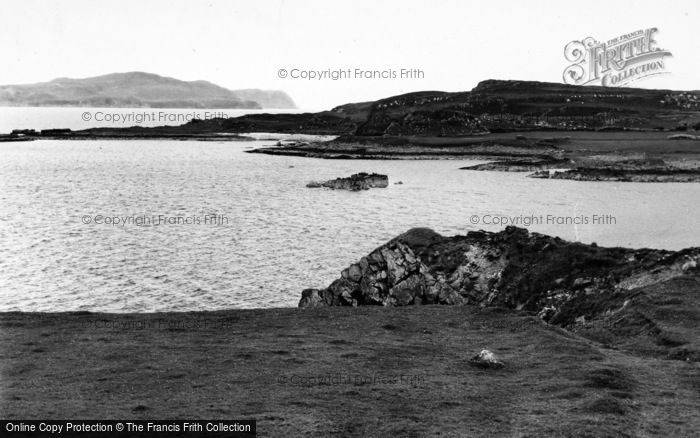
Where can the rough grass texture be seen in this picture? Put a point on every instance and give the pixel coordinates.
(406, 373)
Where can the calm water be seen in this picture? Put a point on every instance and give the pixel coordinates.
(280, 238)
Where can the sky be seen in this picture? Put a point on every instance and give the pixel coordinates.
(246, 44)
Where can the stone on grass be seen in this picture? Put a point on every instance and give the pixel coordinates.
(486, 359)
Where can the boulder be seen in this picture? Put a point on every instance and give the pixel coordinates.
(486, 359)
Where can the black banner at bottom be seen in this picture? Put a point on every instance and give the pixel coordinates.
(128, 428)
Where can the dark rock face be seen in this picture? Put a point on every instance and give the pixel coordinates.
(564, 282)
(392, 275)
(356, 182)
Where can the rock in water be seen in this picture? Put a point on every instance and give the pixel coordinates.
(356, 182)
(486, 359)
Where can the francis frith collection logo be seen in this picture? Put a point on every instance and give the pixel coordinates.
(616, 62)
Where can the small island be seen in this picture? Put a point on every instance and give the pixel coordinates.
(354, 183)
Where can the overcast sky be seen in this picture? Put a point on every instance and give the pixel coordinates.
(244, 44)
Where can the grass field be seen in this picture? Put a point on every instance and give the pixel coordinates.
(342, 372)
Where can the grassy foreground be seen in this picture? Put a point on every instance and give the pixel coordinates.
(341, 371)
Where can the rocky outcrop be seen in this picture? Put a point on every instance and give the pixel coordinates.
(392, 275)
(625, 175)
(644, 301)
(564, 282)
(356, 182)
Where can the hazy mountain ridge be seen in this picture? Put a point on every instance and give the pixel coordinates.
(138, 89)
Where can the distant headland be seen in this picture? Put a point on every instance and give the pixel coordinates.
(139, 90)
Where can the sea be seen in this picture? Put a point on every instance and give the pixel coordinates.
(160, 225)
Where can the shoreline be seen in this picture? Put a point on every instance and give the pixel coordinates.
(583, 155)
(552, 157)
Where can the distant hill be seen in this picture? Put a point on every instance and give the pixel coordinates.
(138, 90)
(498, 105)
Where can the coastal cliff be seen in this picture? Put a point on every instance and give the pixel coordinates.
(569, 284)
